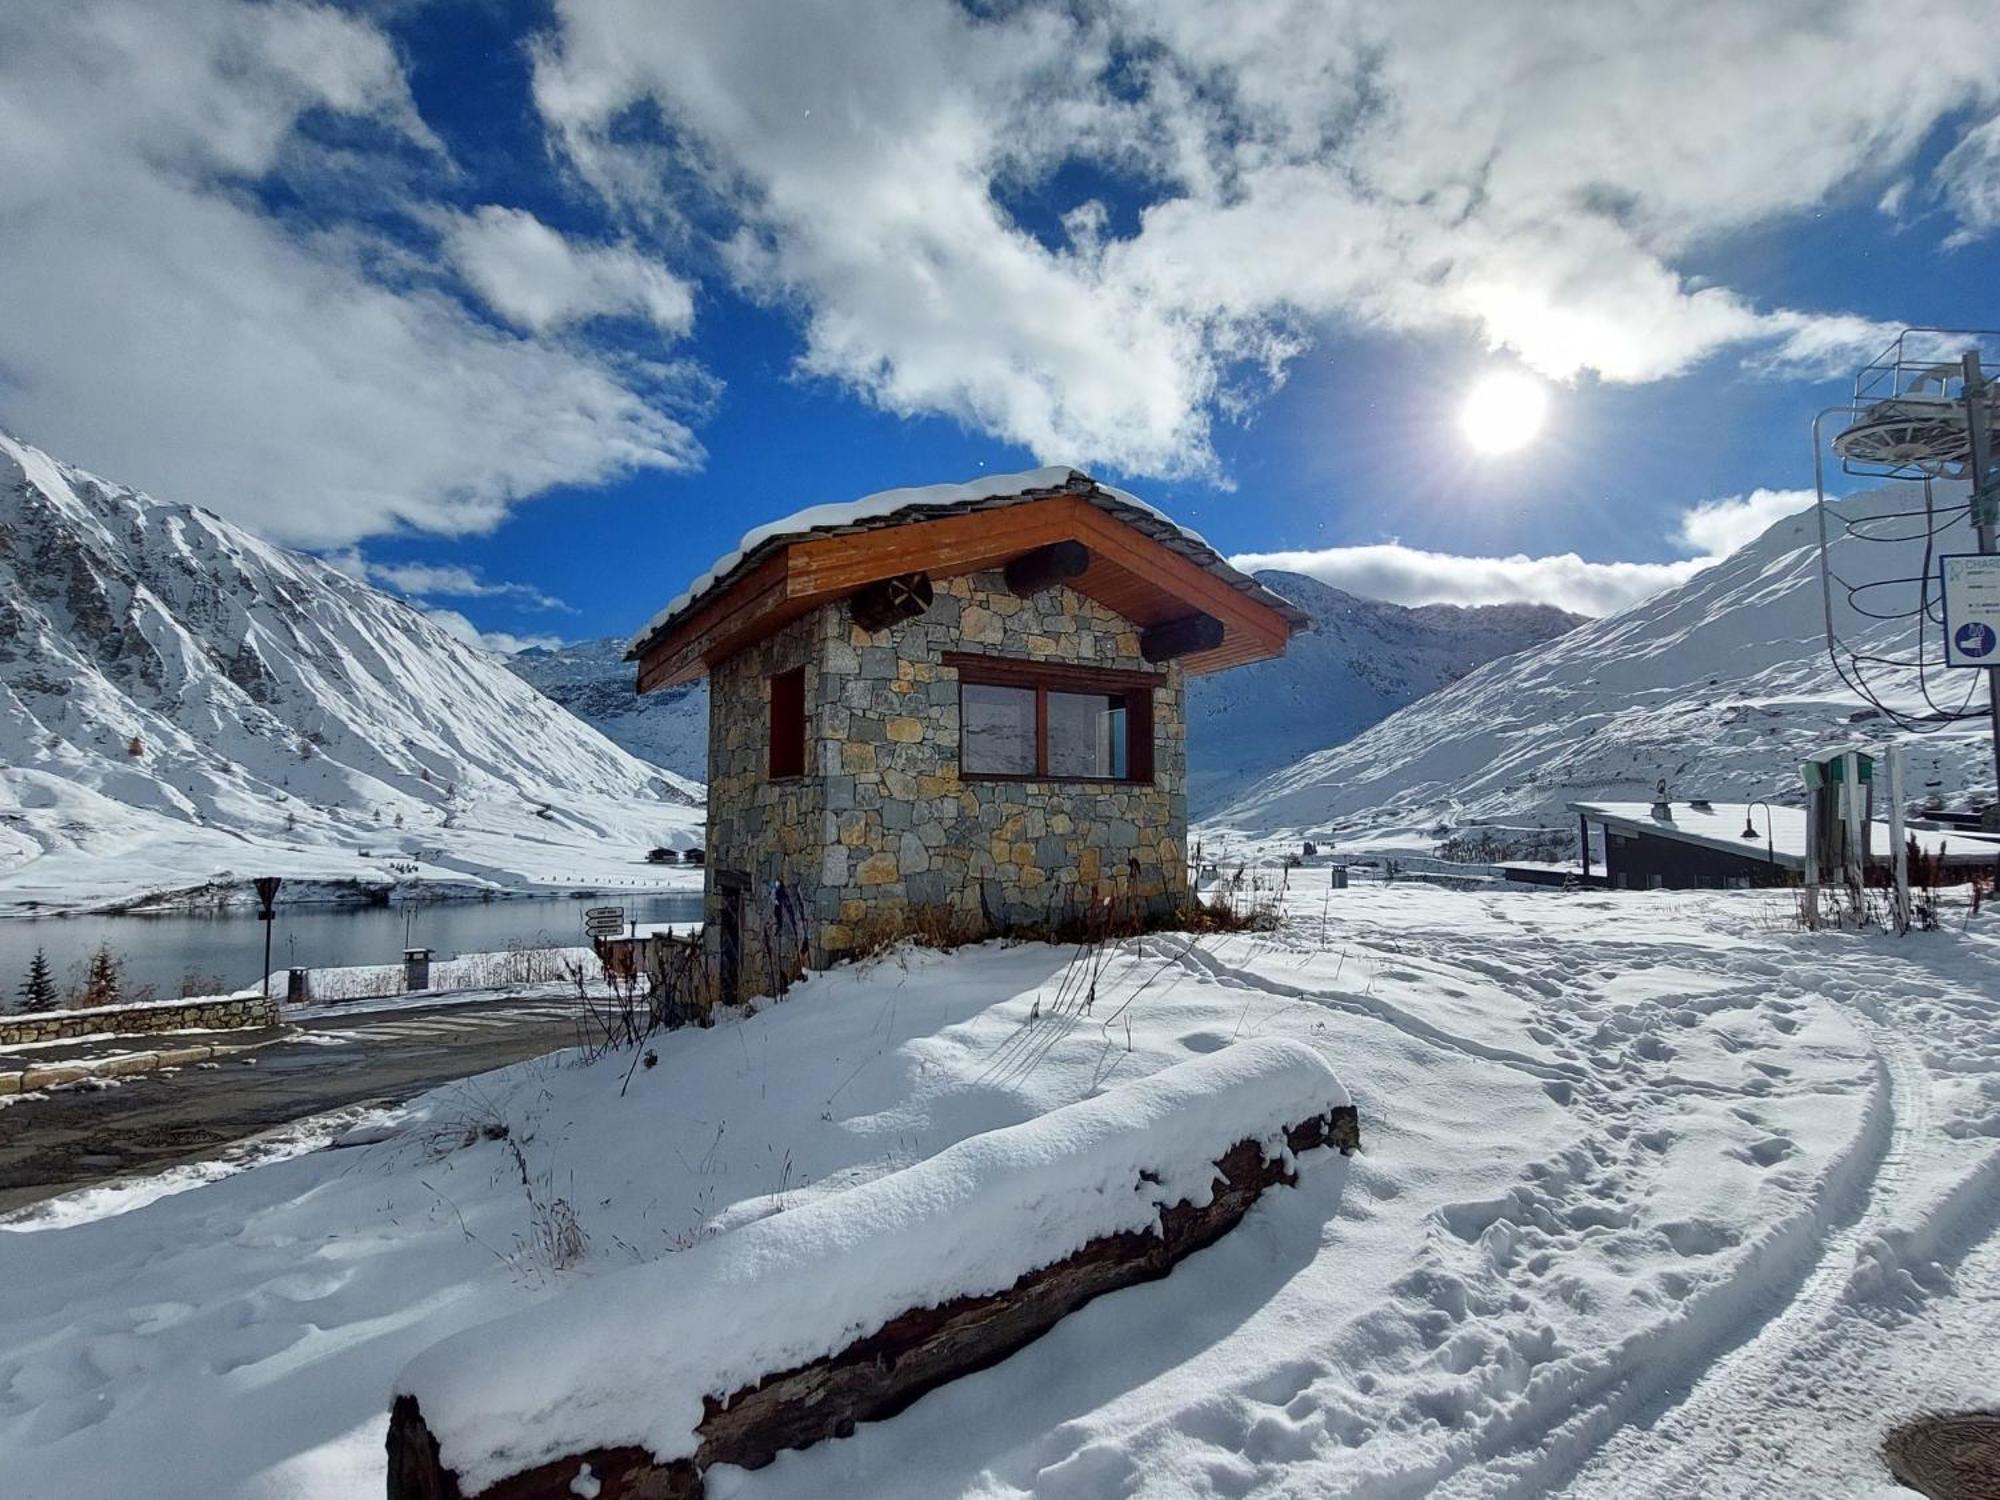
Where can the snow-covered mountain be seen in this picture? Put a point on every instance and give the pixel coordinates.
(181, 703)
(1362, 660)
(593, 680)
(1719, 686)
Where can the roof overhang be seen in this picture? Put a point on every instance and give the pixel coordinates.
(1140, 566)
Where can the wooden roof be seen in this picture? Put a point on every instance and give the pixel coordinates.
(1141, 565)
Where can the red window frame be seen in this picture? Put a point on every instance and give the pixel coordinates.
(1134, 688)
(788, 724)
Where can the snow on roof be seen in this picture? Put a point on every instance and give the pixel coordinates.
(627, 1356)
(887, 507)
(1720, 825)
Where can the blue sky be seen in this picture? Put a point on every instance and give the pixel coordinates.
(529, 311)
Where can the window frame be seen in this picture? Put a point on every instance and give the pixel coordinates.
(785, 727)
(1134, 688)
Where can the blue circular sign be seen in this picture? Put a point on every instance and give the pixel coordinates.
(1975, 639)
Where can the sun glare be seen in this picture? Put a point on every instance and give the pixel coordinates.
(1504, 411)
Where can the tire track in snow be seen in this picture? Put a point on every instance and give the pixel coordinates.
(1706, 1434)
(1410, 1025)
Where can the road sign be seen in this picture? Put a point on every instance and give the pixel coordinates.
(604, 921)
(1971, 609)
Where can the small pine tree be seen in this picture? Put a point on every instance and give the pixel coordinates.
(101, 983)
(38, 990)
(135, 747)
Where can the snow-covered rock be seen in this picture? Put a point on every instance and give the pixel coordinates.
(1720, 686)
(180, 700)
(594, 681)
(1362, 660)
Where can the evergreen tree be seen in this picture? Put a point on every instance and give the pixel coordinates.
(101, 983)
(38, 990)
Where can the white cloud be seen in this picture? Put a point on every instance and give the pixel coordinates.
(1969, 179)
(499, 642)
(1716, 528)
(1534, 174)
(449, 580)
(538, 280)
(161, 329)
(1411, 575)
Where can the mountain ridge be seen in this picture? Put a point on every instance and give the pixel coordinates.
(1718, 686)
(177, 695)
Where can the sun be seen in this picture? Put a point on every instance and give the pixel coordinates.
(1504, 411)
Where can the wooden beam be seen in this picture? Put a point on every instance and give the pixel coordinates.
(1182, 637)
(1131, 568)
(945, 548)
(726, 615)
(1252, 630)
(977, 666)
(1045, 567)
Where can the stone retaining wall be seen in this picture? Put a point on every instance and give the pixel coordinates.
(160, 1015)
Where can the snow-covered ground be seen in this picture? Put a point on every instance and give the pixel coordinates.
(1656, 1197)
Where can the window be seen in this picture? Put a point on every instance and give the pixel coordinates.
(1028, 721)
(1086, 736)
(996, 729)
(788, 724)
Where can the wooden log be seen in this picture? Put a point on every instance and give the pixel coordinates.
(1949, 1456)
(876, 1377)
(891, 601)
(1182, 637)
(1045, 567)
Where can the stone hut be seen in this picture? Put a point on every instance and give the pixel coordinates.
(949, 710)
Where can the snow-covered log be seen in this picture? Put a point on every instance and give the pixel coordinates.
(846, 1309)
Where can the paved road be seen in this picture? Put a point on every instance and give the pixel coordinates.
(77, 1137)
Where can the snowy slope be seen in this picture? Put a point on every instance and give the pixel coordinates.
(180, 701)
(1362, 660)
(1655, 1199)
(1719, 685)
(592, 679)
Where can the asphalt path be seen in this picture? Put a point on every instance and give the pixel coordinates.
(76, 1137)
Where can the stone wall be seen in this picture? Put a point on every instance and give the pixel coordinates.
(882, 836)
(125, 1020)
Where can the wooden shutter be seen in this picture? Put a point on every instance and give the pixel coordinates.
(788, 723)
(1139, 734)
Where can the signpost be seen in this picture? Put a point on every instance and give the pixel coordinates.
(1965, 637)
(267, 913)
(1971, 582)
(604, 922)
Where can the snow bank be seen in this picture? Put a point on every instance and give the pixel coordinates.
(627, 1358)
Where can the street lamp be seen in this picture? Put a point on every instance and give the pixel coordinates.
(1750, 828)
(267, 912)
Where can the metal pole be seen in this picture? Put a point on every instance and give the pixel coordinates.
(1985, 501)
(1901, 852)
(270, 916)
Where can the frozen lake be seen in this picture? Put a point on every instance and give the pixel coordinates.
(161, 950)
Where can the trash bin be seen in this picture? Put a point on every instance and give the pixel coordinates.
(298, 987)
(416, 969)
(1337, 877)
